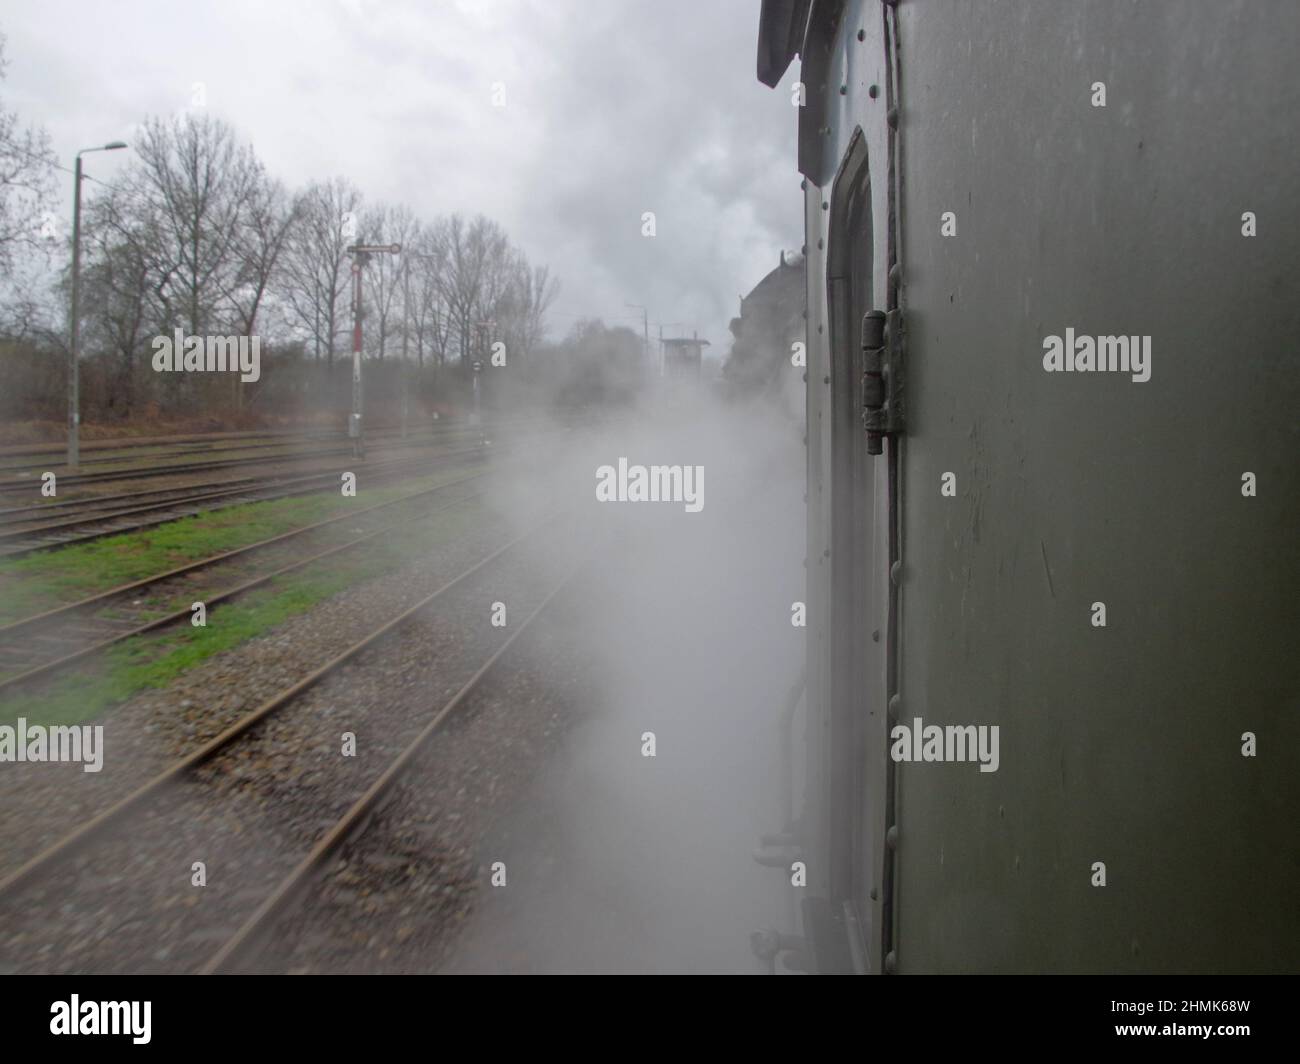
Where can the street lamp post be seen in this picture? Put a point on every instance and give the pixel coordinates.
(406, 329)
(74, 383)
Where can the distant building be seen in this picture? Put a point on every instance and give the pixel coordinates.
(770, 323)
(683, 356)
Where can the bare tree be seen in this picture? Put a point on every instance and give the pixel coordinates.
(26, 174)
(383, 274)
(429, 321)
(265, 227)
(195, 234)
(532, 292)
(316, 271)
(477, 255)
(122, 277)
(196, 179)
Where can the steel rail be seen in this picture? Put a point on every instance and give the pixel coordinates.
(201, 563)
(109, 476)
(248, 585)
(246, 939)
(70, 843)
(203, 496)
(177, 509)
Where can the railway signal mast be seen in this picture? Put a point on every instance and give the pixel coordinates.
(360, 256)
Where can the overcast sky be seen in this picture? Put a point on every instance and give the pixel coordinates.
(612, 108)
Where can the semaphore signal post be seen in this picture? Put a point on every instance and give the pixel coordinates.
(360, 256)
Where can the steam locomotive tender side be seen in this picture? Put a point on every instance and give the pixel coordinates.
(1052, 385)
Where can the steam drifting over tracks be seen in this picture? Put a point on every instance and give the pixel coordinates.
(251, 800)
(243, 946)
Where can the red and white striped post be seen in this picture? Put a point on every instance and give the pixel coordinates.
(360, 256)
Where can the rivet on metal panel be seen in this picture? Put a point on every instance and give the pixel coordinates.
(820, 243)
(826, 380)
(875, 636)
(862, 35)
(896, 275)
(895, 704)
(803, 250)
(896, 573)
(803, 185)
(891, 116)
(873, 894)
(825, 206)
(826, 553)
(844, 90)
(873, 91)
(891, 837)
(819, 328)
(891, 962)
(805, 376)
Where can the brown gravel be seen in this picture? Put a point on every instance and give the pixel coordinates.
(396, 895)
(250, 814)
(154, 728)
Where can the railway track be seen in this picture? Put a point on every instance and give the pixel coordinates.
(41, 449)
(212, 776)
(29, 482)
(91, 526)
(242, 947)
(16, 515)
(32, 462)
(41, 461)
(83, 520)
(37, 645)
(113, 514)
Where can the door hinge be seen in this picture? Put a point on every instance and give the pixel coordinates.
(883, 349)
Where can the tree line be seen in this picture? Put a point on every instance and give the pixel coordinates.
(195, 234)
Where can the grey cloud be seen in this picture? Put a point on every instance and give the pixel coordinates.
(612, 109)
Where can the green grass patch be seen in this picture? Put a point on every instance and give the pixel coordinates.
(52, 578)
(156, 659)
